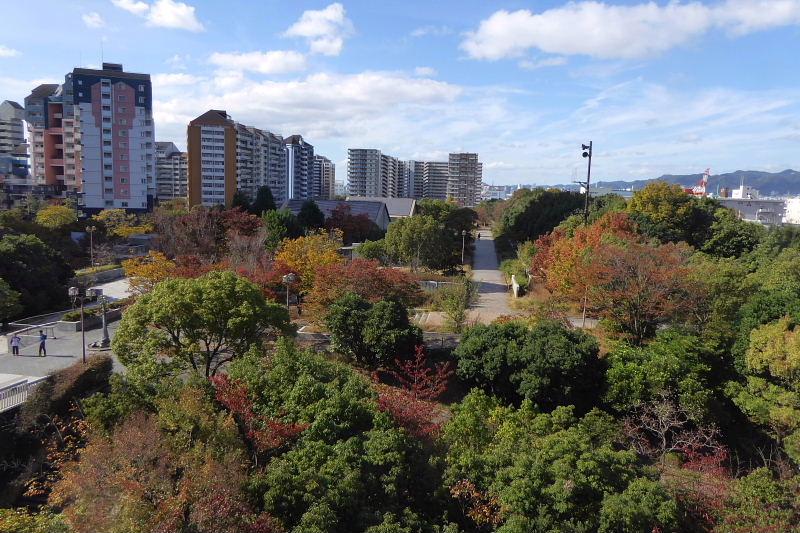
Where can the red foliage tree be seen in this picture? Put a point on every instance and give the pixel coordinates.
(264, 433)
(240, 221)
(420, 380)
(412, 407)
(355, 228)
(638, 286)
(366, 278)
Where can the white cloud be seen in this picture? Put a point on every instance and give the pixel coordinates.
(134, 6)
(271, 62)
(164, 13)
(431, 30)
(93, 20)
(178, 61)
(172, 14)
(616, 31)
(324, 29)
(498, 165)
(541, 63)
(425, 72)
(178, 78)
(5, 51)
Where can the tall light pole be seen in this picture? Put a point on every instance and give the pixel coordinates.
(105, 342)
(91, 230)
(79, 295)
(463, 238)
(587, 152)
(288, 279)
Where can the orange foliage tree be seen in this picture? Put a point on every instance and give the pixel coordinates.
(366, 278)
(148, 271)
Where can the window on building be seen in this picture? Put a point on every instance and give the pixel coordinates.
(123, 121)
(121, 98)
(123, 133)
(142, 99)
(141, 87)
(123, 157)
(124, 204)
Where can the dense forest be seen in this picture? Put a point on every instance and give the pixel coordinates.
(676, 409)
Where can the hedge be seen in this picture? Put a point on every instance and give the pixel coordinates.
(75, 316)
(95, 270)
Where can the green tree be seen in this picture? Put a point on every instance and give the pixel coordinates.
(731, 237)
(240, 199)
(264, 201)
(373, 250)
(455, 300)
(198, 324)
(548, 364)
(351, 466)
(9, 301)
(280, 224)
(36, 271)
(310, 216)
(372, 333)
(550, 472)
(419, 241)
(22, 521)
(55, 216)
(673, 362)
(439, 210)
(114, 219)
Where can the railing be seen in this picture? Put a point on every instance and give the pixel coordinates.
(15, 394)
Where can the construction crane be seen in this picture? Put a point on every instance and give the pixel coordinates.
(700, 188)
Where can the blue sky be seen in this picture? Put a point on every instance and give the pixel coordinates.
(660, 87)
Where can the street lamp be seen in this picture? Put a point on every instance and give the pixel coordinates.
(463, 239)
(106, 341)
(587, 152)
(288, 279)
(82, 296)
(91, 230)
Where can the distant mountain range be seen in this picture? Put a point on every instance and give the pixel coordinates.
(786, 183)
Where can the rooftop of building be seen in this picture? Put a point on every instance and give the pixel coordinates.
(213, 116)
(12, 103)
(43, 90)
(371, 208)
(110, 70)
(397, 207)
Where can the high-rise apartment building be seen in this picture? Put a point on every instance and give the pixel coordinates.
(13, 150)
(371, 173)
(93, 134)
(465, 175)
(172, 172)
(261, 161)
(324, 178)
(434, 179)
(299, 167)
(225, 156)
(11, 131)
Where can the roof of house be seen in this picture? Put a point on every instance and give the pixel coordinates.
(213, 116)
(13, 104)
(43, 90)
(398, 207)
(371, 209)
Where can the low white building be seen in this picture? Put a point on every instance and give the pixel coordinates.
(749, 206)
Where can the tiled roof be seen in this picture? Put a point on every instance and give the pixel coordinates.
(46, 89)
(372, 209)
(213, 116)
(398, 207)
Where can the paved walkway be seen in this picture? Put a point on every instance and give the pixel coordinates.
(494, 293)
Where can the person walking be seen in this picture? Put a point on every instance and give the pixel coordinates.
(42, 347)
(15, 342)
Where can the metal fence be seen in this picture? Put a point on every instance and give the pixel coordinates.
(14, 394)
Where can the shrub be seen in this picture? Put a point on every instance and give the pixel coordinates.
(54, 396)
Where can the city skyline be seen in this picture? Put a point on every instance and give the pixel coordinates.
(690, 86)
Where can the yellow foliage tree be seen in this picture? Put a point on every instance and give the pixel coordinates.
(127, 231)
(55, 216)
(148, 271)
(114, 219)
(306, 254)
(662, 202)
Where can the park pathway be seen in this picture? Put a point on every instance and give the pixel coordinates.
(494, 293)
